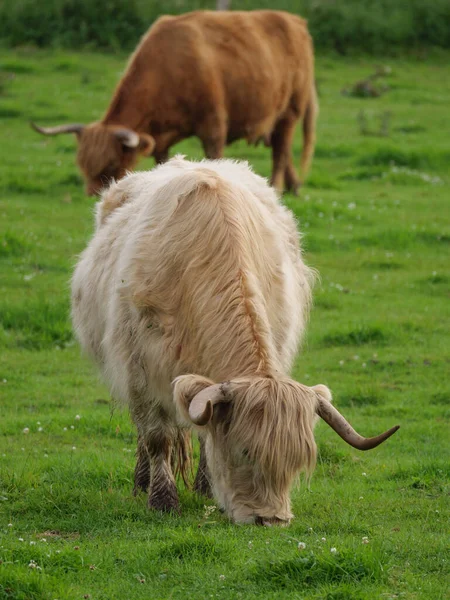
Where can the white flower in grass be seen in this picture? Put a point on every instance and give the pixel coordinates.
(10, 524)
(351, 205)
(365, 540)
(26, 430)
(333, 550)
(361, 497)
(72, 427)
(324, 539)
(77, 417)
(40, 429)
(32, 543)
(221, 577)
(364, 474)
(74, 447)
(20, 539)
(301, 545)
(250, 544)
(38, 422)
(64, 428)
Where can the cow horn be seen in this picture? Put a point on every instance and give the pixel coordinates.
(129, 138)
(336, 421)
(202, 404)
(73, 128)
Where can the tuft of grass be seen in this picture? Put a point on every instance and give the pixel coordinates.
(314, 571)
(13, 244)
(37, 324)
(359, 336)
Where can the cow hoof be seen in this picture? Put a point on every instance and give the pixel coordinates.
(164, 500)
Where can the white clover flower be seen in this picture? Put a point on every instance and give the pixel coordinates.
(250, 544)
(364, 474)
(341, 362)
(72, 427)
(40, 429)
(77, 417)
(26, 430)
(333, 550)
(10, 524)
(365, 540)
(221, 577)
(74, 447)
(38, 422)
(20, 539)
(361, 497)
(64, 428)
(32, 543)
(301, 545)
(324, 539)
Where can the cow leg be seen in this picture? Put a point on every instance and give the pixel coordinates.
(161, 157)
(281, 142)
(213, 134)
(202, 483)
(291, 179)
(162, 492)
(142, 469)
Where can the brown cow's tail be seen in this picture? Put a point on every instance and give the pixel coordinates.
(309, 132)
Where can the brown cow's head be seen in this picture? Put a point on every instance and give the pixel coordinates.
(105, 152)
(259, 436)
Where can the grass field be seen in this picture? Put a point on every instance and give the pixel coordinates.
(375, 214)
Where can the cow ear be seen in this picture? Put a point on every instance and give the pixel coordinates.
(146, 144)
(185, 388)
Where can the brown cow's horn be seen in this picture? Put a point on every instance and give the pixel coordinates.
(341, 426)
(74, 128)
(128, 137)
(202, 404)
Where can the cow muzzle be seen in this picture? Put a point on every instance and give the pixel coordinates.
(271, 522)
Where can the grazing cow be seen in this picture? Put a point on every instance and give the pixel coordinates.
(191, 297)
(220, 76)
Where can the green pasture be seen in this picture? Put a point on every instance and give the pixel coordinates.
(375, 216)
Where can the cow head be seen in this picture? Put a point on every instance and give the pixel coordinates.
(258, 438)
(105, 152)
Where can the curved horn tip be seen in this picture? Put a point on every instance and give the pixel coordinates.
(201, 414)
(370, 443)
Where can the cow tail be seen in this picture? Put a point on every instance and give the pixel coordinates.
(309, 132)
(182, 456)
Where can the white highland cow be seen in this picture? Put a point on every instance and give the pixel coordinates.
(192, 297)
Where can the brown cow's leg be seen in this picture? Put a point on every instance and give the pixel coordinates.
(291, 179)
(281, 141)
(161, 157)
(213, 134)
(202, 483)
